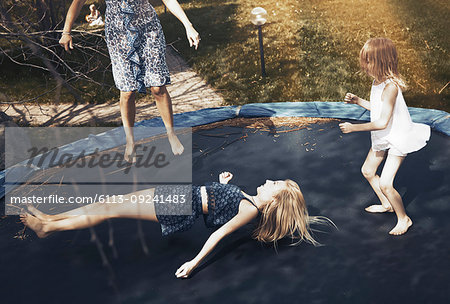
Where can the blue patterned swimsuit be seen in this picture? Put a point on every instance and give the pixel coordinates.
(223, 205)
(136, 45)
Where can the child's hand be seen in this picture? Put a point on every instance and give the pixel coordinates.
(185, 270)
(192, 36)
(225, 177)
(66, 42)
(346, 127)
(351, 98)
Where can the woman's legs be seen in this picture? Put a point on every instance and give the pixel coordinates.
(369, 170)
(94, 214)
(128, 114)
(390, 169)
(164, 105)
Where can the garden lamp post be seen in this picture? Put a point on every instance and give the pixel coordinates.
(259, 17)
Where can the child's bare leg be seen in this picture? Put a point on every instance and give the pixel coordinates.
(95, 208)
(144, 211)
(369, 170)
(390, 169)
(44, 228)
(43, 216)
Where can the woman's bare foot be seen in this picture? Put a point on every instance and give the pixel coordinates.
(379, 209)
(401, 227)
(35, 224)
(130, 154)
(177, 147)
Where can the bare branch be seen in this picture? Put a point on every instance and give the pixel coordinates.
(32, 38)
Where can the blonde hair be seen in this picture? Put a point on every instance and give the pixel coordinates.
(287, 215)
(379, 59)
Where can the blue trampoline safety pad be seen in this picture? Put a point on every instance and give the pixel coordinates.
(438, 120)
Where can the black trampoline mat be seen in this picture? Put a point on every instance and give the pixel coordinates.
(359, 263)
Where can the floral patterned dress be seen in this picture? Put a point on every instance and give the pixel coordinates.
(223, 205)
(136, 45)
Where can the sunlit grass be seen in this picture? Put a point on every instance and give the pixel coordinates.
(312, 47)
(311, 50)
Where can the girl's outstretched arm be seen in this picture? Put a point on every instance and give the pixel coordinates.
(175, 8)
(352, 98)
(72, 14)
(246, 213)
(388, 98)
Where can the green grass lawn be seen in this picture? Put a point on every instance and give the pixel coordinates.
(312, 47)
(311, 50)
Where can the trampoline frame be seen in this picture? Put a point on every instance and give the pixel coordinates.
(436, 119)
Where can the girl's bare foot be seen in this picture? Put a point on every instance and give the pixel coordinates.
(46, 217)
(39, 214)
(379, 209)
(177, 147)
(401, 227)
(130, 154)
(35, 224)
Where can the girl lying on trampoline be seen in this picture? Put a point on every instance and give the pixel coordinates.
(279, 207)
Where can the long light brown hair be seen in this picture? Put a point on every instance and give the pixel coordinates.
(378, 58)
(285, 216)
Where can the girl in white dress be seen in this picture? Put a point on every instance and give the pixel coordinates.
(392, 130)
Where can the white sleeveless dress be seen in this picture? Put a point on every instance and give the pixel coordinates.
(401, 134)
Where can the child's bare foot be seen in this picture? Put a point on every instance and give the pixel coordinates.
(35, 224)
(130, 155)
(177, 147)
(401, 227)
(39, 214)
(379, 209)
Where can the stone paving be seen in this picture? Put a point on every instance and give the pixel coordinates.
(189, 92)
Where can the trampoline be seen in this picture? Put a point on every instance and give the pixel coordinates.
(359, 262)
